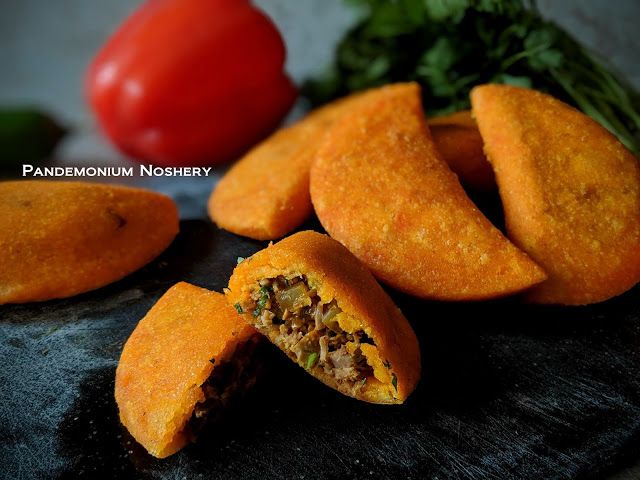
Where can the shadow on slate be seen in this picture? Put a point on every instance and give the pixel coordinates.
(509, 391)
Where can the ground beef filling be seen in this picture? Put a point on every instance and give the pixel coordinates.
(307, 329)
(228, 382)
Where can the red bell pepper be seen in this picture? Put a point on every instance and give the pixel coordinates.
(190, 82)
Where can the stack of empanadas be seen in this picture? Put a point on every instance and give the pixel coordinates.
(383, 183)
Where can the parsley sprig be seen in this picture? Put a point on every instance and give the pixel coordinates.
(448, 46)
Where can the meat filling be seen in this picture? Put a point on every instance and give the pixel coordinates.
(307, 329)
(228, 382)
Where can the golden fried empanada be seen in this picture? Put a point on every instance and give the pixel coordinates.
(458, 140)
(380, 187)
(265, 194)
(184, 362)
(58, 239)
(324, 309)
(570, 190)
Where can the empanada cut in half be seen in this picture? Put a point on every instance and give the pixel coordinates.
(570, 190)
(59, 239)
(380, 187)
(184, 363)
(321, 306)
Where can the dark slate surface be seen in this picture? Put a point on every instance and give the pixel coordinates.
(509, 391)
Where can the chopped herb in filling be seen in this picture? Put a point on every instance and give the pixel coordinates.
(308, 330)
(227, 383)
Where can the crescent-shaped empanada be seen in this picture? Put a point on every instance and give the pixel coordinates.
(265, 195)
(59, 239)
(380, 187)
(570, 190)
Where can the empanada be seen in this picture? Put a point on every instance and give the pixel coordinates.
(380, 187)
(323, 308)
(570, 190)
(59, 239)
(184, 362)
(458, 140)
(265, 194)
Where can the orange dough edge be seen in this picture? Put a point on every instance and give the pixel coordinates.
(570, 190)
(336, 273)
(380, 187)
(59, 239)
(166, 360)
(458, 140)
(265, 195)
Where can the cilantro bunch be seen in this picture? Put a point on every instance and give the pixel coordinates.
(448, 46)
